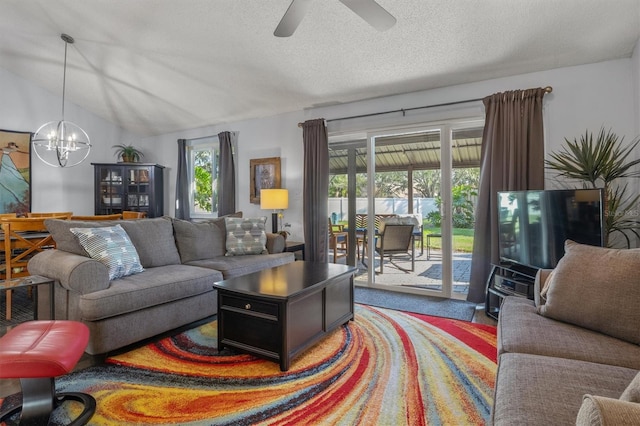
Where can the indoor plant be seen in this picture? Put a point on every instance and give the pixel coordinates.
(128, 153)
(598, 164)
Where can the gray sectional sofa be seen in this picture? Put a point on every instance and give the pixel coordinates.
(572, 356)
(181, 261)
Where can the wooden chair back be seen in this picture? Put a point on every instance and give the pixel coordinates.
(115, 216)
(22, 239)
(57, 215)
(126, 214)
(8, 215)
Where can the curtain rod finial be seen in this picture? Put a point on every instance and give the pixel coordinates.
(548, 89)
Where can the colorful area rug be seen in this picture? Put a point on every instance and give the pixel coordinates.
(385, 368)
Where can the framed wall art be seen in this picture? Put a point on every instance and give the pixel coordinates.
(265, 174)
(15, 172)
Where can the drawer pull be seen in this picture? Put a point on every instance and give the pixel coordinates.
(247, 306)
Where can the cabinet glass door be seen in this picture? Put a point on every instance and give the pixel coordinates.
(111, 189)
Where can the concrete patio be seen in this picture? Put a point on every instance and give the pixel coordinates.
(427, 273)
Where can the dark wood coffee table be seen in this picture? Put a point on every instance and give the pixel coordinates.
(277, 313)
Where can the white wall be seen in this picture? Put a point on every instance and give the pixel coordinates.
(584, 97)
(25, 107)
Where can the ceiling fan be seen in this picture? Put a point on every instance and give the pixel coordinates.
(368, 10)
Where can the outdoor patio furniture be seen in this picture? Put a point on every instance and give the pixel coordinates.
(337, 240)
(429, 237)
(396, 240)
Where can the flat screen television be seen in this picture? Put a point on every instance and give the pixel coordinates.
(533, 225)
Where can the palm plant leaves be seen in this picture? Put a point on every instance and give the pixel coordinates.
(603, 160)
(600, 162)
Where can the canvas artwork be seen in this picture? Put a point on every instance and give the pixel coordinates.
(265, 174)
(15, 172)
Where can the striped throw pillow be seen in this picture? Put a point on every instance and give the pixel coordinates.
(111, 246)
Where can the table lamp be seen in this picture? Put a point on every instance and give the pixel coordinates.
(274, 199)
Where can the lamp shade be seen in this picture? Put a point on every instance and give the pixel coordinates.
(274, 199)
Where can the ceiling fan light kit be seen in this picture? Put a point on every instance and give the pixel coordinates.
(61, 143)
(369, 10)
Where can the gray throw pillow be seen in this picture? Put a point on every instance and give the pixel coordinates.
(245, 236)
(597, 288)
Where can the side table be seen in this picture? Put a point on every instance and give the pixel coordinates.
(34, 281)
(294, 246)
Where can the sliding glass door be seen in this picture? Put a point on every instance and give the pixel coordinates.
(421, 174)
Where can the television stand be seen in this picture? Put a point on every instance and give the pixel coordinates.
(508, 279)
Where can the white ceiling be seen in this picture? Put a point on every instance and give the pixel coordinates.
(160, 66)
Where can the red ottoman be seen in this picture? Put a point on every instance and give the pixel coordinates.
(36, 352)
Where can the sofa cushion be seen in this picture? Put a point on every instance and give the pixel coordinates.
(111, 246)
(541, 390)
(154, 286)
(521, 329)
(152, 238)
(245, 236)
(597, 288)
(240, 265)
(199, 240)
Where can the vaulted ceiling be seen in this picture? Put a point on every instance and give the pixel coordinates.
(159, 66)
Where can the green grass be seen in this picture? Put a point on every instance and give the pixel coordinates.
(462, 239)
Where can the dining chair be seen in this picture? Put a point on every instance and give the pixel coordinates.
(127, 214)
(22, 239)
(396, 240)
(337, 240)
(57, 215)
(115, 216)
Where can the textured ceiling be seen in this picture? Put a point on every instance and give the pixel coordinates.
(159, 66)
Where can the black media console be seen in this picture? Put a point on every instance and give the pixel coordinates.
(510, 279)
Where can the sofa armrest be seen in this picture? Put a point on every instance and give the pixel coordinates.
(275, 243)
(599, 410)
(74, 272)
(538, 284)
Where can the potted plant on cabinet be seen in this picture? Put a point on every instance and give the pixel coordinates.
(128, 153)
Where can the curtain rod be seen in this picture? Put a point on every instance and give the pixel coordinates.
(547, 89)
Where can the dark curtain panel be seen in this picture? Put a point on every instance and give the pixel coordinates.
(315, 189)
(227, 178)
(182, 183)
(512, 159)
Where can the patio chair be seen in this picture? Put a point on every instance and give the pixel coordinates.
(396, 240)
(337, 240)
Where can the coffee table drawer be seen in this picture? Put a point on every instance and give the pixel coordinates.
(255, 332)
(249, 304)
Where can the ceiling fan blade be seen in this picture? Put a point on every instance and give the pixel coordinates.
(371, 12)
(292, 18)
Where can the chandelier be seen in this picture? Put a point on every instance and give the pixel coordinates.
(61, 143)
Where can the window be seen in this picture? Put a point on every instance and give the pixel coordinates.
(203, 164)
